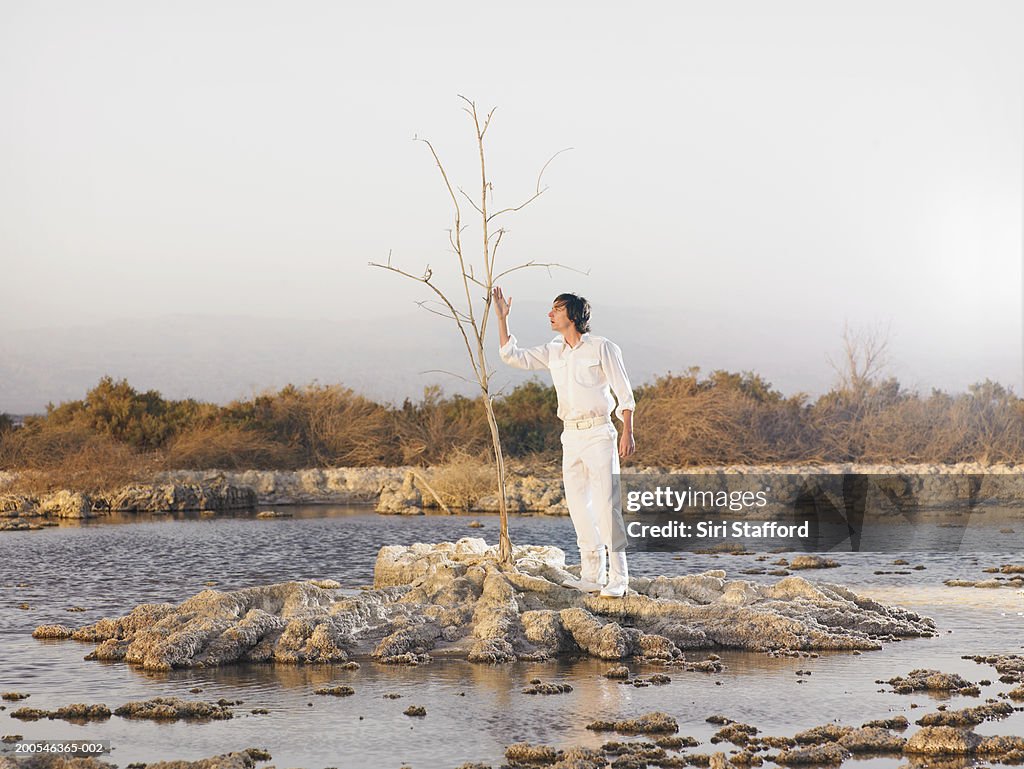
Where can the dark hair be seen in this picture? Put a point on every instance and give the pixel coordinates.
(578, 310)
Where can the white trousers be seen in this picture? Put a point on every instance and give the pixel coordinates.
(590, 470)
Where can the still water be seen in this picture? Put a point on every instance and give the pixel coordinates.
(110, 565)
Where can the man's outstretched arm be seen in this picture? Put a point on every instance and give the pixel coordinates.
(510, 352)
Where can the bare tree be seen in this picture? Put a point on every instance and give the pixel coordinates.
(865, 357)
(472, 325)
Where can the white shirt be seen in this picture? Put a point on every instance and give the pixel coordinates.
(583, 375)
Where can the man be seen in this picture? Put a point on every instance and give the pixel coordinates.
(585, 370)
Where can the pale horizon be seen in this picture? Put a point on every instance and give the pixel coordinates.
(235, 357)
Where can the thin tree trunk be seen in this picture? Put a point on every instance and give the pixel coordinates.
(504, 542)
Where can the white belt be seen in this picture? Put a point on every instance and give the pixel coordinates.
(585, 424)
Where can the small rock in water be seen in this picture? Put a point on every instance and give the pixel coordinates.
(932, 680)
(274, 514)
(649, 723)
(335, 691)
(547, 688)
(812, 562)
(173, 709)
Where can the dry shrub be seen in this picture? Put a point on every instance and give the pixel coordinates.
(431, 430)
(879, 423)
(70, 457)
(462, 480)
(229, 448)
(721, 420)
(326, 425)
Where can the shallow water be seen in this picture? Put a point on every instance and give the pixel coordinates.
(110, 565)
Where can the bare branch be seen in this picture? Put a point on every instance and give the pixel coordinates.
(426, 281)
(539, 191)
(444, 174)
(457, 245)
(548, 265)
(545, 166)
(520, 207)
(461, 317)
(472, 104)
(487, 122)
(471, 201)
(494, 249)
(449, 373)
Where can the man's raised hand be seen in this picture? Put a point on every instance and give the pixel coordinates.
(501, 307)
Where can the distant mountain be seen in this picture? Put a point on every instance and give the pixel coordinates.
(219, 358)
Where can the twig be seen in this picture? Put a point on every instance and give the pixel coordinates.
(536, 194)
(449, 373)
(549, 265)
(461, 317)
(426, 281)
(471, 201)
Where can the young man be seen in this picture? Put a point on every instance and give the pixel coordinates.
(585, 369)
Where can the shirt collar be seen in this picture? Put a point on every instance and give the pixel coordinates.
(585, 337)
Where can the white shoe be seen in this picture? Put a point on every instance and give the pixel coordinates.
(592, 567)
(592, 571)
(584, 586)
(618, 576)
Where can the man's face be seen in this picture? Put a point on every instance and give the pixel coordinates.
(559, 319)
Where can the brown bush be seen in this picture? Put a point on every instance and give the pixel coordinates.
(335, 426)
(228, 448)
(723, 419)
(462, 480)
(682, 420)
(881, 423)
(429, 431)
(70, 457)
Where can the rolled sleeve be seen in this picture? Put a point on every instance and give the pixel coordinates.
(615, 370)
(530, 358)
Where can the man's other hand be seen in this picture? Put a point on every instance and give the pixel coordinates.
(627, 446)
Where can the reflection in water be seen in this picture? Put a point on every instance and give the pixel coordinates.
(108, 566)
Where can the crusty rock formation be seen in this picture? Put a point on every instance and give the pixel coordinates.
(456, 599)
(245, 759)
(923, 679)
(174, 709)
(160, 497)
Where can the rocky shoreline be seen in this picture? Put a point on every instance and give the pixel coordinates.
(401, 490)
(456, 599)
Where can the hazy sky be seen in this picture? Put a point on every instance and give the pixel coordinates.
(755, 172)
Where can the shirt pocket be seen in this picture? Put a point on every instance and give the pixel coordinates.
(588, 372)
(559, 373)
